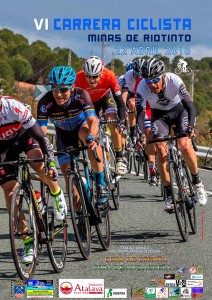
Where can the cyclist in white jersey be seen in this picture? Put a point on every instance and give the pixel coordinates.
(171, 104)
(128, 96)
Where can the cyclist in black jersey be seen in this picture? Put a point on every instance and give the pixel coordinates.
(71, 110)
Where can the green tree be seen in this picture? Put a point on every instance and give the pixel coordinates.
(6, 75)
(21, 67)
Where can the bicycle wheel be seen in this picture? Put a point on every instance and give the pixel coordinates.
(57, 232)
(79, 215)
(129, 160)
(115, 192)
(23, 226)
(178, 200)
(103, 228)
(178, 70)
(137, 162)
(190, 206)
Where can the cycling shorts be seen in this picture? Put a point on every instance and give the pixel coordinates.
(24, 144)
(107, 104)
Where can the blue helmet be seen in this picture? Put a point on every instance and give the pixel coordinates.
(129, 66)
(62, 75)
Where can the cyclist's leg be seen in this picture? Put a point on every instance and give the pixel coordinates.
(132, 116)
(189, 155)
(97, 167)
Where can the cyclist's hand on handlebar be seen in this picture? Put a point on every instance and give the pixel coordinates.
(121, 126)
(141, 142)
(191, 132)
(92, 142)
(52, 170)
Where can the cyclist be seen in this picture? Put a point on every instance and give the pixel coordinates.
(20, 132)
(71, 110)
(101, 83)
(129, 66)
(145, 128)
(128, 95)
(171, 105)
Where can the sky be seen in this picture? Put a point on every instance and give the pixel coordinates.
(19, 16)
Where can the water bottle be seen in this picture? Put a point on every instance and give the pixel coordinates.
(41, 208)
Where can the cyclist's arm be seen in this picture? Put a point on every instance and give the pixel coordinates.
(43, 141)
(188, 104)
(124, 93)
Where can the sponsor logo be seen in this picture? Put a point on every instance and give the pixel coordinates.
(66, 288)
(150, 292)
(182, 270)
(81, 288)
(199, 270)
(115, 293)
(181, 283)
(196, 276)
(43, 108)
(192, 270)
(161, 282)
(194, 283)
(138, 293)
(169, 276)
(25, 114)
(197, 292)
(185, 292)
(174, 292)
(162, 292)
(40, 289)
(19, 289)
(170, 282)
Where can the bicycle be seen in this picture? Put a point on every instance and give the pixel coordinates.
(83, 206)
(109, 161)
(27, 221)
(183, 192)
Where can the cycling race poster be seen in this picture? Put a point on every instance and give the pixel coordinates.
(114, 101)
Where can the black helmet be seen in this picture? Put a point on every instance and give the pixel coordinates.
(137, 64)
(153, 67)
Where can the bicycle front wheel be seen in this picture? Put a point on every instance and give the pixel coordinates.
(23, 227)
(178, 200)
(190, 206)
(57, 237)
(79, 215)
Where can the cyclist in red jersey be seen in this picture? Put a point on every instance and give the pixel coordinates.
(102, 85)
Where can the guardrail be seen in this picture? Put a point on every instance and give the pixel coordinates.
(202, 151)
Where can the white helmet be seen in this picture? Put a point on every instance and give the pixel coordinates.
(93, 66)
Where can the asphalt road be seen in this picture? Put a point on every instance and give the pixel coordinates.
(140, 229)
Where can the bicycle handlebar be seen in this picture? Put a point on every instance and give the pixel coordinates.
(24, 160)
(107, 121)
(167, 138)
(70, 151)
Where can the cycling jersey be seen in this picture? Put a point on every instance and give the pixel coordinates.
(121, 81)
(15, 119)
(174, 93)
(129, 81)
(107, 81)
(69, 116)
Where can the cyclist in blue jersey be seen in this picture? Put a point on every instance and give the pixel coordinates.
(71, 110)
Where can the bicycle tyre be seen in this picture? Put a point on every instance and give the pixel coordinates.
(191, 211)
(129, 160)
(103, 228)
(110, 175)
(137, 162)
(21, 199)
(179, 204)
(57, 243)
(79, 216)
(146, 170)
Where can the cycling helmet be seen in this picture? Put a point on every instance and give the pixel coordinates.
(137, 64)
(93, 66)
(129, 66)
(153, 67)
(62, 75)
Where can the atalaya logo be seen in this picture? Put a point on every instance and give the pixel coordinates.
(81, 288)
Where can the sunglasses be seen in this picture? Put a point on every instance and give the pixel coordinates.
(95, 76)
(154, 80)
(61, 89)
